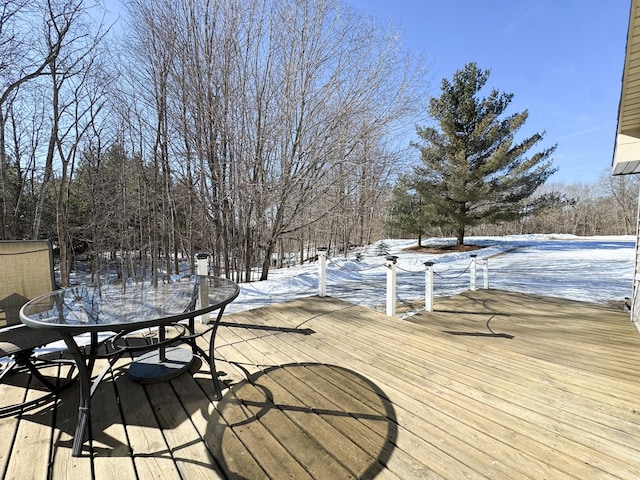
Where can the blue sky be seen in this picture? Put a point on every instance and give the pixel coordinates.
(562, 60)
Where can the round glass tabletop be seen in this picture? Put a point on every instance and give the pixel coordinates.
(128, 304)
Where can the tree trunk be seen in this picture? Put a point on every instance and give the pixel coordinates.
(266, 263)
(460, 236)
(62, 240)
(4, 181)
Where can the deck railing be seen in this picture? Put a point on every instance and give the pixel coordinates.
(391, 278)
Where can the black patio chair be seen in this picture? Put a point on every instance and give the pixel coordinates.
(26, 272)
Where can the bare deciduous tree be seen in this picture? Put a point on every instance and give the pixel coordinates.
(24, 61)
(266, 102)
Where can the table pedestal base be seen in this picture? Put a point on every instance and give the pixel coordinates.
(149, 368)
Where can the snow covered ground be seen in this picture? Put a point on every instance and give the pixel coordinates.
(594, 269)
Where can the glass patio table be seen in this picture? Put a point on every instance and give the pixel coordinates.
(125, 306)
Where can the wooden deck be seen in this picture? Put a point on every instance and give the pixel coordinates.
(491, 385)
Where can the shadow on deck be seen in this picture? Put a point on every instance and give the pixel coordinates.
(492, 384)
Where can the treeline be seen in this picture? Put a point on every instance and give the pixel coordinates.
(246, 129)
(605, 207)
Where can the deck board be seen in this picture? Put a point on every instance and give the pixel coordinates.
(108, 430)
(491, 384)
(22, 463)
(441, 433)
(146, 440)
(64, 465)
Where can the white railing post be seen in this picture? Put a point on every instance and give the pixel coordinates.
(322, 271)
(202, 269)
(485, 271)
(391, 285)
(473, 272)
(428, 287)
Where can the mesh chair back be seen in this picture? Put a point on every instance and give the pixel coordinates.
(26, 272)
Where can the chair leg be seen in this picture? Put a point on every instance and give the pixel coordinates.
(7, 369)
(25, 359)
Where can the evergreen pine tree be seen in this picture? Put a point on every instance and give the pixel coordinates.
(406, 214)
(473, 170)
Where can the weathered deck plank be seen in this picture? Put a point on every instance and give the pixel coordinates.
(146, 440)
(109, 436)
(393, 373)
(64, 465)
(23, 463)
(491, 384)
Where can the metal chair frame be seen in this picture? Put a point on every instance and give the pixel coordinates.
(26, 271)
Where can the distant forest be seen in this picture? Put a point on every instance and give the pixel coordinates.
(256, 131)
(605, 207)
